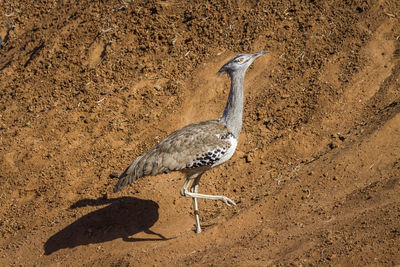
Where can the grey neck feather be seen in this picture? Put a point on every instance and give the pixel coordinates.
(233, 112)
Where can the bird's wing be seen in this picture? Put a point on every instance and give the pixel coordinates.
(196, 145)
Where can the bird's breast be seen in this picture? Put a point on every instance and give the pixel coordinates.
(229, 152)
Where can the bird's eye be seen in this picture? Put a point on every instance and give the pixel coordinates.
(239, 60)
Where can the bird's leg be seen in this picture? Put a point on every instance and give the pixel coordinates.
(193, 194)
(185, 192)
(224, 199)
(194, 189)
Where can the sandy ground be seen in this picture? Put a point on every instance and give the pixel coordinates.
(86, 86)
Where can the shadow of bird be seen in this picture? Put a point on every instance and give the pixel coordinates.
(121, 218)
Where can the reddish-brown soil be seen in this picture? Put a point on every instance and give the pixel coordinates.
(86, 86)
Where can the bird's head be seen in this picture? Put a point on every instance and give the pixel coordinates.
(240, 63)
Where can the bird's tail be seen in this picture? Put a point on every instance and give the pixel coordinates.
(132, 173)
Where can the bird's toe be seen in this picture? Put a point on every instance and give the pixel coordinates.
(228, 201)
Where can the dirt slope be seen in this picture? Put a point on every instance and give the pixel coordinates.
(86, 86)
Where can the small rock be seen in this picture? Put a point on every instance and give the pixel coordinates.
(249, 157)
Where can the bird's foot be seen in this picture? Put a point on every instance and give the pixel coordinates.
(227, 201)
(198, 229)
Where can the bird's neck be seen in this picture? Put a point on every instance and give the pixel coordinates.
(233, 112)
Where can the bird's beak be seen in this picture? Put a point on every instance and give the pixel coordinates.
(256, 55)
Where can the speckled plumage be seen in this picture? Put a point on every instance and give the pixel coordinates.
(195, 145)
(198, 147)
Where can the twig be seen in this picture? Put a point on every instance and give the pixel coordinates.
(107, 30)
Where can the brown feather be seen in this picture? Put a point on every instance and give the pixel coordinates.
(176, 151)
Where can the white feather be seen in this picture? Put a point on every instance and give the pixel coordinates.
(229, 153)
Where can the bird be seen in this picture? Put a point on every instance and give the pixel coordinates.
(198, 147)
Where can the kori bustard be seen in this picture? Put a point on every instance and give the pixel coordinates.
(198, 147)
